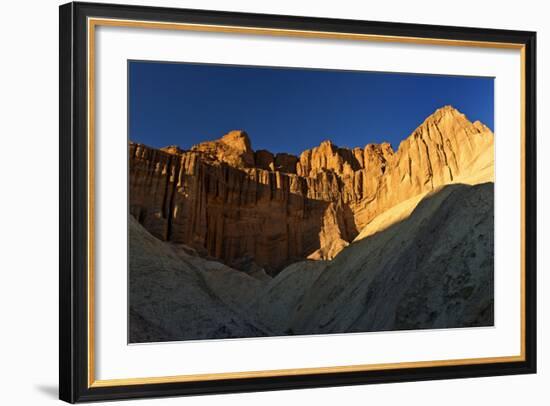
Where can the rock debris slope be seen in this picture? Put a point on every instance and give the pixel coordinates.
(433, 269)
(176, 295)
(217, 195)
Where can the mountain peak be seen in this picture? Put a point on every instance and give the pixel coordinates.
(172, 149)
(233, 148)
(447, 111)
(447, 122)
(448, 108)
(327, 143)
(237, 139)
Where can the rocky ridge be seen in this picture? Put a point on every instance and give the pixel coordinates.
(227, 201)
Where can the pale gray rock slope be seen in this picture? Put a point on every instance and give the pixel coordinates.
(433, 269)
(175, 295)
(280, 299)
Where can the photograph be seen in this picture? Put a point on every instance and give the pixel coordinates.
(272, 201)
(256, 201)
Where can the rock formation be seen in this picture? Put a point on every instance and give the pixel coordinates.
(227, 201)
(433, 269)
(175, 295)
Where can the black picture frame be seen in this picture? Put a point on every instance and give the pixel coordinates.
(74, 383)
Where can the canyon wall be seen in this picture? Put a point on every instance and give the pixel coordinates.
(246, 207)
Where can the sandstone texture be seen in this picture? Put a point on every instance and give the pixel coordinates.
(227, 201)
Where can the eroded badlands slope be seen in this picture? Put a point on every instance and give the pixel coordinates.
(432, 269)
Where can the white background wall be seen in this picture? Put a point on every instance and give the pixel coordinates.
(29, 203)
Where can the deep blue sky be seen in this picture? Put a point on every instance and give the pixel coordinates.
(289, 110)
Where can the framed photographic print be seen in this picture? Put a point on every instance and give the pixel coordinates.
(256, 202)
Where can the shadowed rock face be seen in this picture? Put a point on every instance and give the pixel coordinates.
(432, 269)
(176, 295)
(230, 202)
